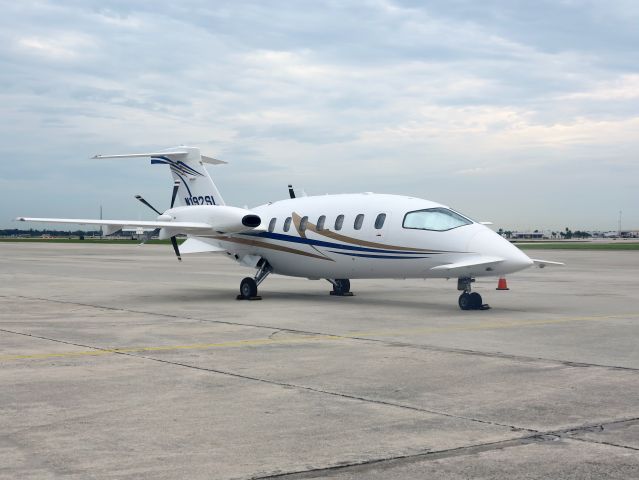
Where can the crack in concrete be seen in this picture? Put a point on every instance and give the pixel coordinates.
(522, 358)
(537, 436)
(274, 382)
(556, 433)
(430, 455)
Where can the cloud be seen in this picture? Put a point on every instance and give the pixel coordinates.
(393, 96)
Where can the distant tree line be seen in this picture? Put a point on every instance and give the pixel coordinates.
(567, 234)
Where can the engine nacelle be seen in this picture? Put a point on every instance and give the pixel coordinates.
(221, 218)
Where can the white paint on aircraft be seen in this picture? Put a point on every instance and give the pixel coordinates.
(336, 237)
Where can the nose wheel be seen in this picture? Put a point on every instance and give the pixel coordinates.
(469, 300)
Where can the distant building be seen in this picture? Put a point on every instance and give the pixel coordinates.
(528, 235)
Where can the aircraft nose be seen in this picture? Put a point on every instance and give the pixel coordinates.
(491, 244)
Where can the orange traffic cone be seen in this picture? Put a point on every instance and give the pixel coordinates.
(502, 285)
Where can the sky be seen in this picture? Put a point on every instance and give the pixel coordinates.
(521, 113)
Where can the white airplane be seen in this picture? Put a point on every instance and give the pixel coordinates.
(335, 237)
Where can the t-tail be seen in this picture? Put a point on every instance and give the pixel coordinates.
(195, 186)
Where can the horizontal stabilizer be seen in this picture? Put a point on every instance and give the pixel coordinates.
(469, 264)
(174, 153)
(543, 263)
(199, 245)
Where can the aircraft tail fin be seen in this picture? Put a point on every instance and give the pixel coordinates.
(187, 167)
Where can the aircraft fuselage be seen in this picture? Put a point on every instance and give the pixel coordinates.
(373, 239)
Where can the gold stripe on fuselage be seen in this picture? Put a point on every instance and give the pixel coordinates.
(269, 246)
(353, 241)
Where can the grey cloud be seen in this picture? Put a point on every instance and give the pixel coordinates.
(396, 96)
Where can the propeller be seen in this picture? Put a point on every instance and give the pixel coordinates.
(175, 247)
(139, 197)
(176, 187)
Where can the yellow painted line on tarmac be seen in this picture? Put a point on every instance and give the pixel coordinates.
(195, 346)
(493, 325)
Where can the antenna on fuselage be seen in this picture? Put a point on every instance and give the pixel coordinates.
(291, 192)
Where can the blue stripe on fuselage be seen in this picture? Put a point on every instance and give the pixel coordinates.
(322, 243)
(376, 256)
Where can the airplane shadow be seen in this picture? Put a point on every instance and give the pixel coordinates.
(364, 298)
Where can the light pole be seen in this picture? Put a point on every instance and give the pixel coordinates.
(619, 230)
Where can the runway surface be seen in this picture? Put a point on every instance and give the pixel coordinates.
(117, 361)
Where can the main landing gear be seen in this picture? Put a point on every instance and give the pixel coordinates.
(248, 286)
(468, 300)
(341, 287)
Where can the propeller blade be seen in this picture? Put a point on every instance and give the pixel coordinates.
(175, 247)
(176, 186)
(291, 192)
(139, 197)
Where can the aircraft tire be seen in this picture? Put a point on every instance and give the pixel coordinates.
(248, 288)
(343, 285)
(475, 301)
(465, 302)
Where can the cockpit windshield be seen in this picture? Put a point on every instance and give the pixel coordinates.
(436, 219)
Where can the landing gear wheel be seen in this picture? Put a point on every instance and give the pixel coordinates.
(475, 301)
(248, 289)
(470, 301)
(342, 287)
(465, 302)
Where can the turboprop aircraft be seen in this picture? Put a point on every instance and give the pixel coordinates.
(334, 237)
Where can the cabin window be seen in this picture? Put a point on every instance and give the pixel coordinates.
(379, 221)
(303, 224)
(339, 222)
(287, 224)
(436, 219)
(320, 222)
(271, 225)
(359, 221)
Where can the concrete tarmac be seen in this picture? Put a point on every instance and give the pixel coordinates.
(116, 361)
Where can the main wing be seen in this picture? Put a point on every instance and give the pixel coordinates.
(113, 226)
(193, 220)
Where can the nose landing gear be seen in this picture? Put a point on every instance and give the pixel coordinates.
(469, 300)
